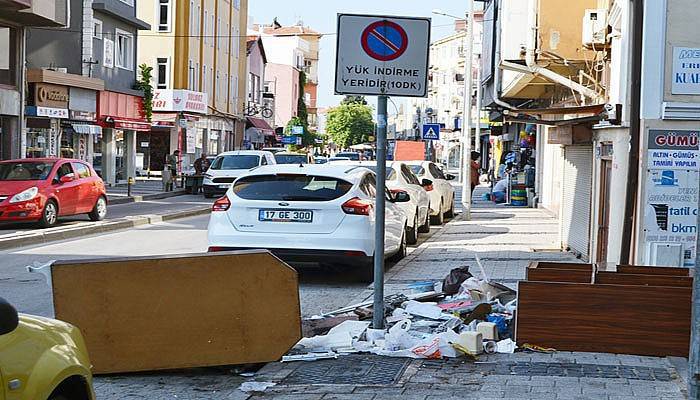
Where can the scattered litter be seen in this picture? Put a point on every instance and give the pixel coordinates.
(506, 346)
(490, 347)
(538, 349)
(452, 282)
(309, 356)
(43, 269)
(426, 310)
(422, 287)
(247, 374)
(488, 330)
(255, 386)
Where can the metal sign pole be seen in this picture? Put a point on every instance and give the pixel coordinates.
(378, 316)
(467, 116)
(694, 356)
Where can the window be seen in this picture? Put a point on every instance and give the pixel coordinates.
(291, 187)
(435, 171)
(217, 84)
(8, 56)
(81, 170)
(209, 88)
(218, 34)
(164, 15)
(125, 50)
(205, 29)
(163, 73)
(63, 170)
(204, 80)
(212, 30)
(193, 17)
(197, 84)
(97, 29)
(190, 76)
(237, 42)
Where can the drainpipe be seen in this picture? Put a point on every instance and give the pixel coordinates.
(635, 130)
(497, 61)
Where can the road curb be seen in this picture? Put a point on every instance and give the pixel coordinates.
(140, 198)
(42, 237)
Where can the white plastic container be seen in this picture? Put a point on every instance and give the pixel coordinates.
(472, 342)
(488, 330)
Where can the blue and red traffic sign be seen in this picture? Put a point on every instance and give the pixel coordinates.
(384, 40)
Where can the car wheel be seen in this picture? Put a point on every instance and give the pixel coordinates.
(50, 214)
(451, 212)
(99, 211)
(402, 250)
(438, 219)
(425, 228)
(412, 232)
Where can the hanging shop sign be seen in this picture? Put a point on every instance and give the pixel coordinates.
(674, 149)
(48, 112)
(686, 71)
(179, 101)
(82, 115)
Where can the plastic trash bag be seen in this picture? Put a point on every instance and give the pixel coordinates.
(452, 282)
(426, 310)
(255, 386)
(398, 337)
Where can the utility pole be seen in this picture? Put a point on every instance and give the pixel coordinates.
(380, 209)
(467, 116)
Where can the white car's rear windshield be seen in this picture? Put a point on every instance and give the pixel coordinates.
(240, 161)
(290, 188)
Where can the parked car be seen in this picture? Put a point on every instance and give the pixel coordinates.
(442, 197)
(229, 165)
(399, 177)
(351, 155)
(285, 157)
(309, 213)
(43, 189)
(42, 358)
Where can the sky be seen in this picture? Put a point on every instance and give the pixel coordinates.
(321, 15)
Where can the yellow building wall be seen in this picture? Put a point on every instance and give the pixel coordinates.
(561, 26)
(237, 103)
(155, 44)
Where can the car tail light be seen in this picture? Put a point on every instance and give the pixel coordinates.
(357, 206)
(221, 204)
(355, 254)
(214, 249)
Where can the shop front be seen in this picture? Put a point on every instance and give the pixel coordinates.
(120, 116)
(258, 134)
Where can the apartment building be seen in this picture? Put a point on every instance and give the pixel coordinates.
(15, 17)
(197, 50)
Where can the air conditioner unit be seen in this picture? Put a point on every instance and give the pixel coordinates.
(595, 27)
(664, 254)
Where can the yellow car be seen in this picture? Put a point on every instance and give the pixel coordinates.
(41, 358)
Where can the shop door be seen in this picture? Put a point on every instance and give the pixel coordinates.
(604, 210)
(159, 148)
(576, 200)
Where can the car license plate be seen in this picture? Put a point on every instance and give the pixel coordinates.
(286, 216)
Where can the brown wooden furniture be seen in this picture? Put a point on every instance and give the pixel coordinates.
(151, 313)
(637, 310)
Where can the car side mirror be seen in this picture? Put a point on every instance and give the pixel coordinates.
(67, 178)
(449, 177)
(401, 197)
(426, 182)
(9, 318)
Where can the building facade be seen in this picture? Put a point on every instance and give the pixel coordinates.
(100, 74)
(198, 55)
(15, 18)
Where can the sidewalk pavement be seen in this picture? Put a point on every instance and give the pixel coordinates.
(506, 240)
(119, 216)
(143, 189)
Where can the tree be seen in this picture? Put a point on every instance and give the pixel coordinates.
(302, 118)
(349, 99)
(350, 123)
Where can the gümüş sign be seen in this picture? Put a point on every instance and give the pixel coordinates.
(380, 55)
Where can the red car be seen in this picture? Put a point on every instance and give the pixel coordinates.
(43, 189)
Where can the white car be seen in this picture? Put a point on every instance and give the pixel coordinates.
(399, 177)
(442, 197)
(308, 213)
(229, 165)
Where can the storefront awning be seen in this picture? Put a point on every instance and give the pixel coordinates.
(566, 115)
(140, 126)
(87, 129)
(164, 119)
(261, 124)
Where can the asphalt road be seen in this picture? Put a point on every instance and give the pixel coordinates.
(320, 290)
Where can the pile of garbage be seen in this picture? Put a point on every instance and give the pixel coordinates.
(468, 317)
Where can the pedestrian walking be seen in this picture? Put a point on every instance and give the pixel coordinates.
(474, 169)
(201, 165)
(170, 170)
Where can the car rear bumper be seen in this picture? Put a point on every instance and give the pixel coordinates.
(338, 257)
(215, 189)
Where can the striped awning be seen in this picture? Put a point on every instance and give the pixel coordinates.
(87, 129)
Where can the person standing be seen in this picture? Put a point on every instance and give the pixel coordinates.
(201, 165)
(171, 163)
(474, 169)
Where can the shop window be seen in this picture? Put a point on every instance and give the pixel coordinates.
(164, 15)
(163, 73)
(8, 54)
(125, 50)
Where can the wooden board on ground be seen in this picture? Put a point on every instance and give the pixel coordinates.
(153, 313)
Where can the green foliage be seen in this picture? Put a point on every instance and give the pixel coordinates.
(349, 99)
(302, 119)
(350, 123)
(144, 84)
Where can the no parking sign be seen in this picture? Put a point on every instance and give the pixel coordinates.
(379, 55)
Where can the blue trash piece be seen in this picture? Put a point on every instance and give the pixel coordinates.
(500, 322)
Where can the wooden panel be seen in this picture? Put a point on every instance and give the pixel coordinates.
(617, 278)
(556, 265)
(641, 320)
(558, 275)
(60, 78)
(648, 270)
(147, 313)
